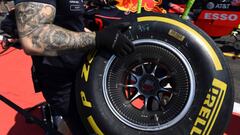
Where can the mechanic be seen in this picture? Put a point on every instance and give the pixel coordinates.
(51, 31)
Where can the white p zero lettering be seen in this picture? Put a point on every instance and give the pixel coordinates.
(222, 17)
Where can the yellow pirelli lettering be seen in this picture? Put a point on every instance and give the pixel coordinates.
(219, 84)
(223, 88)
(210, 108)
(200, 121)
(86, 66)
(84, 100)
(196, 130)
(210, 50)
(91, 56)
(210, 99)
(205, 112)
(215, 91)
(94, 126)
(85, 72)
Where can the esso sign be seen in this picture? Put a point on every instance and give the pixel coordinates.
(222, 17)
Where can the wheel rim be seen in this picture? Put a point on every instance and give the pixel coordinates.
(148, 96)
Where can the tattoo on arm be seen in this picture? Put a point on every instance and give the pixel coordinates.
(56, 39)
(30, 15)
(34, 21)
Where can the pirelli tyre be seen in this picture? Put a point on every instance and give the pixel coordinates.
(175, 83)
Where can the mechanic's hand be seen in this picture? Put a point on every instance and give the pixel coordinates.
(112, 39)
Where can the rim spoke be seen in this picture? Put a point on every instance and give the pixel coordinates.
(157, 99)
(154, 70)
(157, 119)
(137, 77)
(165, 90)
(135, 96)
(146, 102)
(130, 86)
(143, 69)
(165, 101)
(161, 105)
(162, 78)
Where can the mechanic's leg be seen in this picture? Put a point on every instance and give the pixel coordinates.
(58, 90)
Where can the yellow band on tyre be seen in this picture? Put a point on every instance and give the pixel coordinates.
(94, 126)
(210, 50)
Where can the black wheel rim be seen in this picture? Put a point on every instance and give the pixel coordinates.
(149, 91)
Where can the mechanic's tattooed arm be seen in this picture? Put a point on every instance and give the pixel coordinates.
(40, 37)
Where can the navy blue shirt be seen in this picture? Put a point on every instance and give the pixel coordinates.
(69, 16)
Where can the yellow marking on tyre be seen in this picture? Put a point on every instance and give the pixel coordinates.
(232, 55)
(84, 100)
(85, 72)
(222, 85)
(210, 50)
(91, 56)
(86, 66)
(210, 109)
(176, 35)
(94, 126)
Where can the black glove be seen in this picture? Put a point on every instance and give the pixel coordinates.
(112, 39)
(9, 26)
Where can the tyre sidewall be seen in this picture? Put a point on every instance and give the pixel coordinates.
(205, 74)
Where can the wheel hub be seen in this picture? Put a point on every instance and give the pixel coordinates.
(149, 85)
